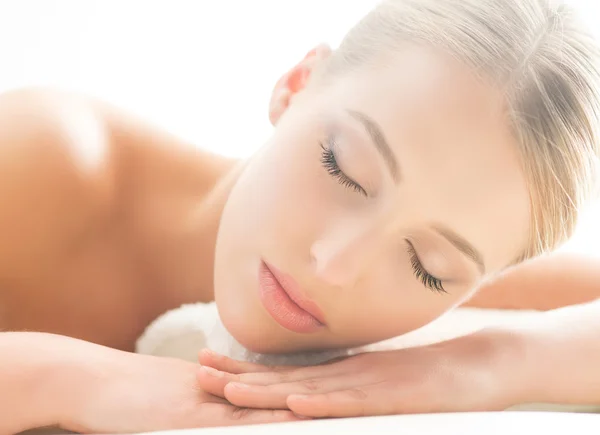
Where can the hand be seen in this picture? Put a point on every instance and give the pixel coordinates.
(471, 373)
(125, 393)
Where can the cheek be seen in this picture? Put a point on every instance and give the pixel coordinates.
(401, 315)
(387, 302)
(270, 214)
(289, 200)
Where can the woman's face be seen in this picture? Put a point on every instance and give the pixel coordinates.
(381, 200)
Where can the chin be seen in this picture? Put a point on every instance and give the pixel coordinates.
(261, 338)
(254, 339)
(263, 345)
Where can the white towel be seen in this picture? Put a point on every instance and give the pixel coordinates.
(183, 332)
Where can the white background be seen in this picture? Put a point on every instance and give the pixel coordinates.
(201, 69)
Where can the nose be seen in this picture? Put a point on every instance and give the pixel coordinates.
(342, 255)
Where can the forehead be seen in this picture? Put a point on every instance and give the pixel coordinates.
(460, 164)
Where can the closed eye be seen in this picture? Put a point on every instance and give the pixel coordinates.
(428, 280)
(330, 164)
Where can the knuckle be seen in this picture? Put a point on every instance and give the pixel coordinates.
(281, 377)
(285, 377)
(239, 413)
(281, 369)
(233, 378)
(357, 394)
(311, 384)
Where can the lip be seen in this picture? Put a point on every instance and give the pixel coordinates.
(286, 303)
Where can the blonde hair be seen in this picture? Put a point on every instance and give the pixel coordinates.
(548, 66)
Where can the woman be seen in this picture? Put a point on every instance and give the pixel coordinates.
(441, 144)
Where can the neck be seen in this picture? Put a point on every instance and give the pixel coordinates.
(177, 252)
(202, 227)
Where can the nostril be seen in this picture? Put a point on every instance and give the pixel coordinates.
(318, 257)
(327, 264)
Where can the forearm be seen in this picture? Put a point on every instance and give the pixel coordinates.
(561, 356)
(545, 283)
(36, 379)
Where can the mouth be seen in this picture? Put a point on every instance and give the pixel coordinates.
(285, 302)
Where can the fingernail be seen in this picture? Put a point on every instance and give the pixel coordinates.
(302, 417)
(240, 386)
(298, 397)
(213, 372)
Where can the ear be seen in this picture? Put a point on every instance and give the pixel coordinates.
(294, 81)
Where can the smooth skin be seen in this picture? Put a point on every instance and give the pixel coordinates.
(87, 388)
(554, 360)
(108, 222)
(412, 184)
(95, 246)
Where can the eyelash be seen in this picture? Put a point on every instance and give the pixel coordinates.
(331, 166)
(428, 280)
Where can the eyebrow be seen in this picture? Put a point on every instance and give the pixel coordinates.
(462, 245)
(384, 148)
(378, 138)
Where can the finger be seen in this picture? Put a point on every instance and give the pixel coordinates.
(275, 396)
(227, 415)
(352, 402)
(285, 375)
(258, 416)
(209, 358)
(213, 381)
(257, 374)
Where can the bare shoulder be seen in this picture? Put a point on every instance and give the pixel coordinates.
(56, 174)
(46, 135)
(70, 163)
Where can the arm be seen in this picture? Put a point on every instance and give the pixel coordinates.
(562, 356)
(34, 385)
(554, 358)
(76, 174)
(52, 380)
(66, 163)
(545, 283)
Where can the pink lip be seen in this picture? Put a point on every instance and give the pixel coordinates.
(286, 303)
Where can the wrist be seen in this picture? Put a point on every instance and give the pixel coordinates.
(531, 364)
(35, 379)
(503, 355)
(72, 372)
(561, 362)
(59, 375)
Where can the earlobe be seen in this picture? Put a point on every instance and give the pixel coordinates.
(294, 81)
